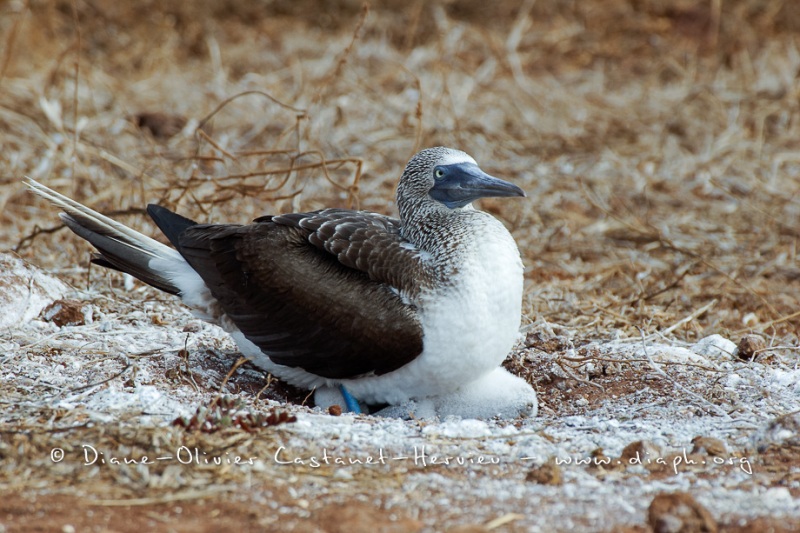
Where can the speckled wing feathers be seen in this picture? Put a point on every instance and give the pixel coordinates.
(307, 289)
(364, 241)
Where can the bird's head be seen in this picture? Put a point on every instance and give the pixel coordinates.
(446, 179)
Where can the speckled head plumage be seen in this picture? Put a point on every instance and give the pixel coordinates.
(444, 179)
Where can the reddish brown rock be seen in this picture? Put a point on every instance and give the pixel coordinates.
(750, 347)
(547, 474)
(709, 446)
(65, 313)
(679, 512)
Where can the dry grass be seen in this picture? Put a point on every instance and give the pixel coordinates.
(658, 140)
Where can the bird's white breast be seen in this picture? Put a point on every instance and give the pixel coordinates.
(470, 323)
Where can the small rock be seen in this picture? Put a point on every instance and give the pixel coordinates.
(750, 347)
(547, 474)
(601, 460)
(709, 446)
(783, 431)
(546, 344)
(335, 410)
(714, 347)
(65, 313)
(640, 452)
(679, 512)
(160, 125)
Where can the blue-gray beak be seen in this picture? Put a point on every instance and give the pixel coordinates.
(461, 184)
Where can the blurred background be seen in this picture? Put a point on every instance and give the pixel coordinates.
(658, 140)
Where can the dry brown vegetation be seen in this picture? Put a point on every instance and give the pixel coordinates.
(658, 140)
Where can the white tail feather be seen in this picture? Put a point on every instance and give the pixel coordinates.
(121, 232)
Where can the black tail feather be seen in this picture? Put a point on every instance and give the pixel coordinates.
(171, 224)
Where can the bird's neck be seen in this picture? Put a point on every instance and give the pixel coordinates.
(443, 232)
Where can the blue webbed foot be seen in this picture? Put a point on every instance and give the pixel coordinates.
(350, 402)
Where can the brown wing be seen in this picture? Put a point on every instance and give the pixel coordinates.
(364, 241)
(312, 290)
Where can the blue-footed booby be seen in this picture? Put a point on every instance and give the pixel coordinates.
(416, 312)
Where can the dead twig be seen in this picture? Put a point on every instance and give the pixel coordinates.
(658, 370)
(687, 319)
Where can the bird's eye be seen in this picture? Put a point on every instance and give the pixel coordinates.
(439, 173)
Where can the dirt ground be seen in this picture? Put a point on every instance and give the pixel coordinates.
(658, 142)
